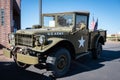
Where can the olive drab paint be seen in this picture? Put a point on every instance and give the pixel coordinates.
(68, 30)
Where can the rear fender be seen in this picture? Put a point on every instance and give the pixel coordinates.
(96, 40)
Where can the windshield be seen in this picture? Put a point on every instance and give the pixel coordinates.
(60, 20)
(65, 20)
(49, 21)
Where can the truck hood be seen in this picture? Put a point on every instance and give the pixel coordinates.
(45, 31)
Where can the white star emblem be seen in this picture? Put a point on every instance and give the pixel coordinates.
(81, 41)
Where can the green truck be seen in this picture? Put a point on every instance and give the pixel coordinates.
(61, 38)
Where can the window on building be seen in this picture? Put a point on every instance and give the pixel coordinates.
(2, 17)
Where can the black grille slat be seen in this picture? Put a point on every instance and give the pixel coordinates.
(23, 39)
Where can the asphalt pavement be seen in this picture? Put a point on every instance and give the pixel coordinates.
(85, 68)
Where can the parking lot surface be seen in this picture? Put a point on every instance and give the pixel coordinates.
(105, 68)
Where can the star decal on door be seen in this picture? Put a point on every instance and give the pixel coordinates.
(81, 42)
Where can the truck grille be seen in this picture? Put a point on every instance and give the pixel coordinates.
(24, 40)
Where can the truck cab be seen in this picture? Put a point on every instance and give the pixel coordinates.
(73, 26)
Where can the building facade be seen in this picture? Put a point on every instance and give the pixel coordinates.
(10, 12)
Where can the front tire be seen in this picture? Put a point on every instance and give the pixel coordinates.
(19, 64)
(96, 53)
(59, 62)
(22, 65)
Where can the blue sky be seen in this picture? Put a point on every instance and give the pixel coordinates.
(107, 11)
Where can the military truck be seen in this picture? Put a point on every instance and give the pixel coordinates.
(61, 38)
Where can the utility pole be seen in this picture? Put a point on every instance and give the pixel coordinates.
(40, 12)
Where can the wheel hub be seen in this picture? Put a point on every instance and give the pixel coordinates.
(61, 62)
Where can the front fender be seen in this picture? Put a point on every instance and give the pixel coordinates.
(52, 43)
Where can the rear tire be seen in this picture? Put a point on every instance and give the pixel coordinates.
(59, 62)
(96, 53)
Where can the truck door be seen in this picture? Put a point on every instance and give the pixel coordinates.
(81, 33)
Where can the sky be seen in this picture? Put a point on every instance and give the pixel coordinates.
(107, 11)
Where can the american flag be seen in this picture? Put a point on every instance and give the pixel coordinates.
(93, 24)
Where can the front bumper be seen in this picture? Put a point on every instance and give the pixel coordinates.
(27, 59)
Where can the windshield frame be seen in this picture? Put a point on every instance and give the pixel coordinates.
(56, 20)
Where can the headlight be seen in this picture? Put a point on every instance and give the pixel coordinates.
(11, 38)
(42, 39)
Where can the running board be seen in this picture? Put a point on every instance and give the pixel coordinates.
(83, 54)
